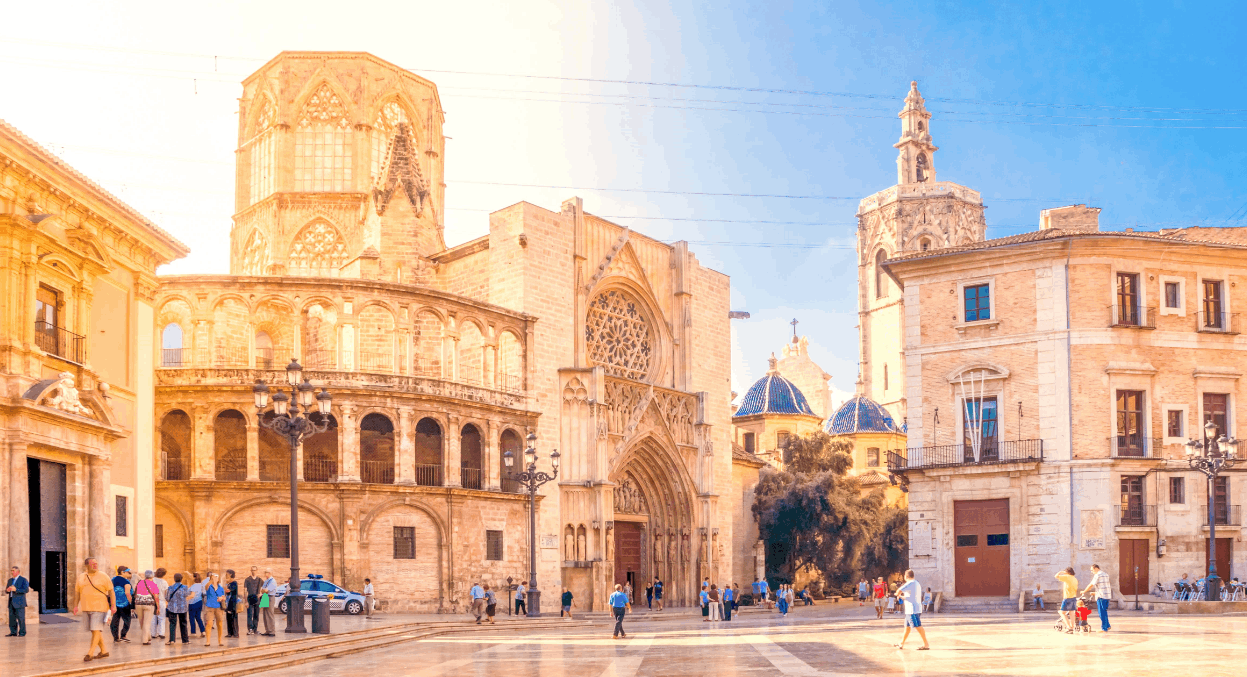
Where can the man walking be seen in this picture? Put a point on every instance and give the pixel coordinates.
(520, 592)
(1103, 594)
(269, 591)
(764, 590)
(123, 593)
(568, 600)
(478, 602)
(619, 606)
(881, 593)
(96, 597)
(658, 592)
(251, 586)
(863, 591)
(16, 588)
(369, 598)
(911, 593)
(729, 598)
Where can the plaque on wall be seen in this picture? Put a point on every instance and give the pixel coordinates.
(549, 541)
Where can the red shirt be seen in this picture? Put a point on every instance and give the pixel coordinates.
(881, 590)
(1083, 613)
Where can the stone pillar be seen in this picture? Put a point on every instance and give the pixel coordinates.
(454, 478)
(405, 456)
(491, 459)
(100, 512)
(19, 508)
(82, 323)
(202, 453)
(348, 445)
(201, 525)
(253, 453)
(5, 488)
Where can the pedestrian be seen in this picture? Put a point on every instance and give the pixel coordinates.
(704, 602)
(96, 597)
(214, 613)
(175, 609)
(491, 604)
(478, 602)
(521, 594)
(863, 591)
(160, 624)
(735, 596)
(806, 596)
(123, 592)
(705, 584)
(146, 592)
(716, 603)
(1037, 595)
(926, 601)
(16, 588)
(568, 601)
(231, 604)
(880, 590)
(729, 601)
(658, 592)
(268, 591)
(369, 600)
(627, 590)
(891, 604)
(251, 585)
(649, 596)
(781, 599)
(910, 593)
(764, 590)
(619, 606)
(1069, 597)
(1103, 594)
(195, 607)
(789, 598)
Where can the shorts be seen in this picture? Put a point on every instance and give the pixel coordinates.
(913, 621)
(880, 601)
(1069, 604)
(95, 620)
(567, 608)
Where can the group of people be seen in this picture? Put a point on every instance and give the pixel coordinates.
(484, 601)
(716, 604)
(887, 597)
(193, 604)
(1074, 611)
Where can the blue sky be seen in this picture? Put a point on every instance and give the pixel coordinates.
(1137, 108)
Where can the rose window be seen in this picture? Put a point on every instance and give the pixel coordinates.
(618, 336)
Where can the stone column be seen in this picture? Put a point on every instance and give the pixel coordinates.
(82, 323)
(492, 459)
(5, 488)
(348, 445)
(100, 524)
(454, 478)
(253, 453)
(19, 508)
(202, 452)
(405, 456)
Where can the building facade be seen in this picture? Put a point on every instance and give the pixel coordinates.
(608, 345)
(77, 271)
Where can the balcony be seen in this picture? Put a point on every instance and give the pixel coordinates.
(263, 358)
(510, 486)
(376, 472)
(960, 455)
(471, 477)
(62, 343)
(231, 468)
(320, 470)
(1132, 317)
(1227, 515)
(173, 468)
(1135, 446)
(1135, 515)
(1217, 323)
(381, 363)
(229, 357)
(172, 357)
(319, 359)
(429, 475)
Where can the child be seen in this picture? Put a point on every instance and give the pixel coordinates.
(926, 601)
(1082, 612)
(891, 604)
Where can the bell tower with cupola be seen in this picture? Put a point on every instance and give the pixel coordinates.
(915, 162)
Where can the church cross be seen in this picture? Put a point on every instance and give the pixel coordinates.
(794, 327)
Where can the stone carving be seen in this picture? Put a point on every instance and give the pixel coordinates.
(610, 542)
(610, 256)
(628, 499)
(618, 336)
(569, 545)
(581, 546)
(324, 107)
(65, 396)
(389, 117)
(626, 401)
(255, 254)
(402, 167)
(317, 250)
(658, 548)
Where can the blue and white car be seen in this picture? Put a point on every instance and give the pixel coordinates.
(315, 586)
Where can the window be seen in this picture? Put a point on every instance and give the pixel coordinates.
(781, 439)
(1174, 423)
(1173, 295)
(1215, 407)
(158, 550)
(925, 245)
(277, 542)
(171, 346)
(404, 542)
(1132, 500)
(1213, 317)
(493, 546)
(1128, 299)
(978, 302)
(1130, 423)
(749, 443)
(47, 320)
(872, 457)
(997, 539)
(980, 430)
(967, 540)
(921, 167)
(263, 350)
(122, 516)
(881, 283)
(1221, 499)
(1177, 490)
(323, 144)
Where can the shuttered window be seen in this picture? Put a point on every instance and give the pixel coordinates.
(277, 542)
(493, 545)
(404, 542)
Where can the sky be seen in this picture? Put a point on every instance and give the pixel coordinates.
(749, 129)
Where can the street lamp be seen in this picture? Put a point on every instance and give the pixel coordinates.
(287, 422)
(1211, 458)
(531, 479)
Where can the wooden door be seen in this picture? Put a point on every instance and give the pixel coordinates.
(628, 554)
(1133, 561)
(1223, 558)
(981, 547)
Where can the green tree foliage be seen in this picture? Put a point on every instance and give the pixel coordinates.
(814, 516)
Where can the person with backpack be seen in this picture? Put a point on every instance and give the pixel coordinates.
(124, 594)
(175, 609)
(146, 592)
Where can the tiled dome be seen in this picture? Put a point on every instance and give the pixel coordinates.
(773, 394)
(860, 415)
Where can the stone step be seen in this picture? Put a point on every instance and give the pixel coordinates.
(958, 605)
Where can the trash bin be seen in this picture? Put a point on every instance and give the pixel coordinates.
(320, 616)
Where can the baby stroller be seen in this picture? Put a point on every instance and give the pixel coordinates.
(1080, 619)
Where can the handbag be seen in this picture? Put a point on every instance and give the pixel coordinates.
(264, 601)
(144, 598)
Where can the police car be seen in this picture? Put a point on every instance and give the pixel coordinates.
(314, 586)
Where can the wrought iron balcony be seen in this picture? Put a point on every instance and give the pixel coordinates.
(376, 472)
(60, 342)
(173, 468)
(320, 470)
(1135, 515)
(1227, 515)
(229, 356)
(172, 357)
(1132, 316)
(1135, 446)
(955, 455)
(471, 477)
(231, 469)
(1217, 323)
(429, 475)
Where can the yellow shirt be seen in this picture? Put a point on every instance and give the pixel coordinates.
(1069, 585)
(95, 592)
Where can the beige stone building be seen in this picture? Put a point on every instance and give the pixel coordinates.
(1048, 431)
(77, 272)
(609, 345)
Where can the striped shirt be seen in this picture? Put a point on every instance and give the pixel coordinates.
(1102, 589)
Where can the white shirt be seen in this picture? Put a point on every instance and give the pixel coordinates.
(519, 592)
(368, 590)
(196, 593)
(913, 593)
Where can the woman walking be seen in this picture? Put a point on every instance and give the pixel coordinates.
(146, 592)
(491, 603)
(195, 605)
(781, 599)
(231, 604)
(214, 597)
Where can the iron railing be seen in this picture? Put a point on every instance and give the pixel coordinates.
(173, 357)
(1132, 316)
(954, 455)
(231, 469)
(58, 341)
(275, 470)
(1227, 515)
(230, 356)
(1135, 515)
(510, 382)
(427, 370)
(263, 358)
(1217, 323)
(319, 359)
(1135, 446)
(376, 472)
(320, 470)
(510, 486)
(378, 362)
(471, 477)
(429, 475)
(173, 468)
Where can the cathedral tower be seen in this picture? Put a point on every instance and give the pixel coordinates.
(339, 170)
(916, 214)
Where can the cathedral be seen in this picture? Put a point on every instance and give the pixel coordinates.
(608, 346)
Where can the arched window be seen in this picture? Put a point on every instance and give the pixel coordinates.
(925, 244)
(376, 449)
(274, 455)
(428, 342)
(320, 451)
(921, 126)
(263, 350)
(175, 446)
(922, 167)
(319, 338)
(510, 362)
(881, 282)
(383, 128)
(255, 254)
(510, 441)
(262, 149)
(171, 346)
(618, 335)
(470, 457)
(230, 445)
(323, 143)
(317, 251)
(428, 453)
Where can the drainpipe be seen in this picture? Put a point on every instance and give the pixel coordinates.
(1069, 388)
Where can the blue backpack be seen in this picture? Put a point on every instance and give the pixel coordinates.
(120, 592)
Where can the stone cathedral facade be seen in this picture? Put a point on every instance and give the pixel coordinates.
(608, 345)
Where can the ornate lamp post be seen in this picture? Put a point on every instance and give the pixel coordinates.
(1211, 458)
(531, 479)
(287, 422)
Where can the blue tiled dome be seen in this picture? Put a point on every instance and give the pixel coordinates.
(860, 415)
(773, 394)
